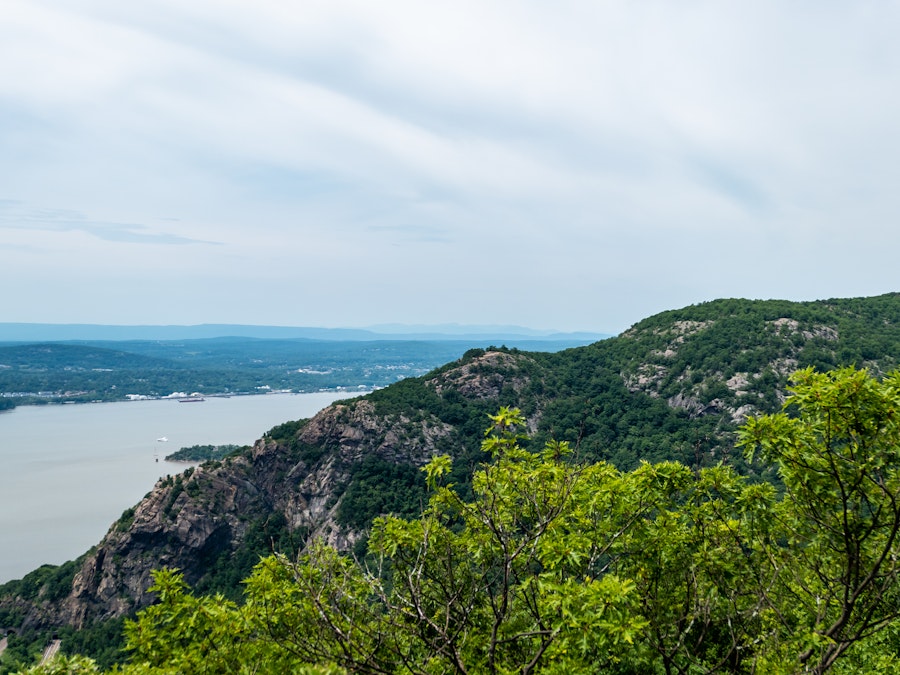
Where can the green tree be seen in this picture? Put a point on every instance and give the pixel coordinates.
(557, 567)
(838, 453)
(512, 581)
(696, 562)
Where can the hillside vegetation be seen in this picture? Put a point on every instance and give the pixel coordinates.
(674, 387)
(112, 370)
(561, 567)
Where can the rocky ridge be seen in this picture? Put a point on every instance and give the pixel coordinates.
(686, 376)
(192, 520)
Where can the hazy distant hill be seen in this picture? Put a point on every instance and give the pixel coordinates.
(91, 370)
(39, 332)
(674, 386)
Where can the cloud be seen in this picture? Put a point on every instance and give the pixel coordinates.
(15, 215)
(621, 156)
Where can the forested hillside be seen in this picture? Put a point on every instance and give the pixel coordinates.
(113, 370)
(673, 387)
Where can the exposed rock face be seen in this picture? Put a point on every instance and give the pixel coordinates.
(184, 523)
(672, 372)
(484, 377)
(788, 326)
(691, 404)
(712, 371)
(189, 521)
(355, 431)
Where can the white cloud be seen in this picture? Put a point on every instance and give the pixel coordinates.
(623, 154)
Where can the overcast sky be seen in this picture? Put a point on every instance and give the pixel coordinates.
(569, 165)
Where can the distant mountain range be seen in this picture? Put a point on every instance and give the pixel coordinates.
(55, 332)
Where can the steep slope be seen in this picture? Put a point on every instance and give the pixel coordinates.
(302, 479)
(713, 364)
(673, 386)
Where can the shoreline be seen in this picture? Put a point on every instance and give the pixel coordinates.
(55, 398)
(56, 455)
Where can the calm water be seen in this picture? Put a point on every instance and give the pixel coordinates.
(68, 471)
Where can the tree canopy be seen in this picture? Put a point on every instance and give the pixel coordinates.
(556, 566)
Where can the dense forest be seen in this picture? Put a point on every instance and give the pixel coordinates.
(113, 370)
(622, 516)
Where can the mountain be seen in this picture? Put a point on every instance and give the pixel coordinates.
(674, 386)
(78, 371)
(48, 332)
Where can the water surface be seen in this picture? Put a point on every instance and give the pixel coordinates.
(68, 471)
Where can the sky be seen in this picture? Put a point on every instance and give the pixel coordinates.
(575, 165)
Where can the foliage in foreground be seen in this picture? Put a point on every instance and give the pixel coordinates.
(554, 567)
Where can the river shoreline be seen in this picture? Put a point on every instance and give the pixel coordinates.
(71, 470)
(58, 398)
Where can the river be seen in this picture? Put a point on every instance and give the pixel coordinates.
(68, 471)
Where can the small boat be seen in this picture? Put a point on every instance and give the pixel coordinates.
(162, 439)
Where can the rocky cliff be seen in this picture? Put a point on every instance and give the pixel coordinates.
(285, 485)
(673, 386)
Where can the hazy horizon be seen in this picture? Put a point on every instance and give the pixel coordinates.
(25, 332)
(579, 165)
